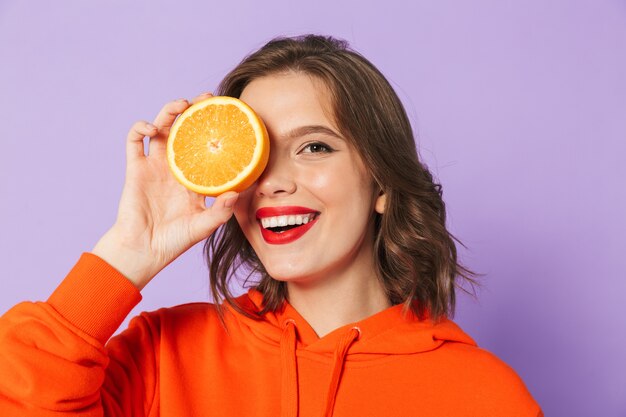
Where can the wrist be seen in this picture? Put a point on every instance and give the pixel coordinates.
(136, 265)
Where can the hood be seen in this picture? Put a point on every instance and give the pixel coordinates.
(389, 332)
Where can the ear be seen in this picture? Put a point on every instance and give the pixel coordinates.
(380, 203)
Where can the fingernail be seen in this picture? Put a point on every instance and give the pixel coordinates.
(231, 201)
(150, 126)
(182, 100)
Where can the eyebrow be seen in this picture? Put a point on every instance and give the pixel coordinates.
(308, 130)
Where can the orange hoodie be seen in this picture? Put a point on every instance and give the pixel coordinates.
(181, 362)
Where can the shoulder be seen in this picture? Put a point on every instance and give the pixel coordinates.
(192, 319)
(487, 377)
(187, 317)
(477, 358)
(170, 326)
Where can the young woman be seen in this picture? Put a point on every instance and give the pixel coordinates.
(349, 313)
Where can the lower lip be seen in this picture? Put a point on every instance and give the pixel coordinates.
(287, 236)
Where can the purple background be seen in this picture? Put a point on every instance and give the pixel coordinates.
(519, 108)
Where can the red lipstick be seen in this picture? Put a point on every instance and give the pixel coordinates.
(286, 236)
(282, 211)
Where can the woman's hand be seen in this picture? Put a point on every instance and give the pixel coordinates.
(158, 219)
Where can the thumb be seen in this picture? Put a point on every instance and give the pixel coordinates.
(213, 217)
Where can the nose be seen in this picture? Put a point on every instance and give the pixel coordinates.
(277, 179)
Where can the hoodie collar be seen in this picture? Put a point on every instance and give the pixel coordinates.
(391, 331)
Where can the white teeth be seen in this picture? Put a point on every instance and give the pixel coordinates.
(278, 221)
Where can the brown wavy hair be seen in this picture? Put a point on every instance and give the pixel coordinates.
(415, 255)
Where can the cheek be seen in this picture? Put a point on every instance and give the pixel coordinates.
(343, 183)
(319, 180)
(242, 210)
(330, 181)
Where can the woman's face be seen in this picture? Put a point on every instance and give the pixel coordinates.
(313, 177)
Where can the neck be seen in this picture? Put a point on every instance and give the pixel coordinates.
(337, 301)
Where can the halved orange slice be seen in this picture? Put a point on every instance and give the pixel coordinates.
(217, 145)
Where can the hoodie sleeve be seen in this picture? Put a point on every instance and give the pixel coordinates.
(53, 361)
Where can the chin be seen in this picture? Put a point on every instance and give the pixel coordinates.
(289, 273)
(284, 276)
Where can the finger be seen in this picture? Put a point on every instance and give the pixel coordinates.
(165, 119)
(214, 216)
(163, 122)
(201, 97)
(134, 140)
(168, 114)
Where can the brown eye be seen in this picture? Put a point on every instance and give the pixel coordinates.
(317, 147)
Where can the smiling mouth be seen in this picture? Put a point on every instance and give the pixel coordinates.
(280, 224)
(285, 229)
